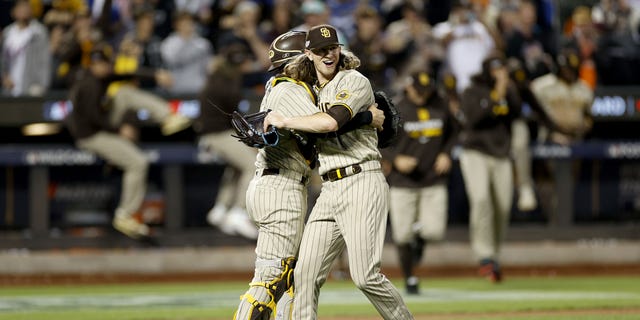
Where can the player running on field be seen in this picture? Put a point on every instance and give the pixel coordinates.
(419, 166)
(351, 210)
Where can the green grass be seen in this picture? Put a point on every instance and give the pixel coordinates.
(529, 297)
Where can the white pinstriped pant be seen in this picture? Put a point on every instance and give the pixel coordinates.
(278, 205)
(351, 213)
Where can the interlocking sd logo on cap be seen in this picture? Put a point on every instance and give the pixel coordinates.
(325, 32)
(321, 36)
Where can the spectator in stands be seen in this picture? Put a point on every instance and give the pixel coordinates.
(420, 162)
(507, 21)
(114, 18)
(489, 106)
(619, 46)
(59, 20)
(488, 12)
(26, 60)
(410, 45)
(199, 9)
(94, 123)
(368, 45)
(243, 29)
(581, 33)
(63, 12)
(73, 51)
(460, 35)
(147, 43)
(186, 55)
(529, 44)
(223, 90)
(316, 12)
(342, 13)
(282, 19)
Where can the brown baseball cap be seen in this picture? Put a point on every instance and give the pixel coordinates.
(101, 52)
(422, 82)
(321, 36)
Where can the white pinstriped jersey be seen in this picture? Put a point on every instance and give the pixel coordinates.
(353, 90)
(290, 98)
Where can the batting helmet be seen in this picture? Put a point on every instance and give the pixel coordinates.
(286, 47)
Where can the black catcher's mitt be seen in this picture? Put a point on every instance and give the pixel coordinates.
(249, 130)
(391, 125)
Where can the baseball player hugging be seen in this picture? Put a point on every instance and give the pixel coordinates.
(351, 211)
(277, 196)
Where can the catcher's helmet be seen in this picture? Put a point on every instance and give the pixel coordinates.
(286, 47)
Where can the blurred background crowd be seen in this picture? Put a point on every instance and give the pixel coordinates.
(218, 49)
(45, 42)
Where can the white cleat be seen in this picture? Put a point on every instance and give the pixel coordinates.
(238, 221)
(527, 199)
(217, 215)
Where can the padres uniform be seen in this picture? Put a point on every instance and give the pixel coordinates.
(277, 197)
(351, 210)
(419, 198)
(486, 165)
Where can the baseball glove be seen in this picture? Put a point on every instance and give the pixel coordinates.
(249, 130)
(391, 125)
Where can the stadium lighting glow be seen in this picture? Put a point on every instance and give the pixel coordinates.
(40, 129)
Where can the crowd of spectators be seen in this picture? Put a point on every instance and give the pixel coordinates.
(45, 42)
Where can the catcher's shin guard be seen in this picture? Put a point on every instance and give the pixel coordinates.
(284, 308)
(261, 310)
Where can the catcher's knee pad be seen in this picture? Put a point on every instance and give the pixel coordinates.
(274, 288)
(281, 283)
(262, 310)
(257, 311)
(284, 308)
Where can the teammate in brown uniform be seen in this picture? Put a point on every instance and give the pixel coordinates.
(351, 211)
(94, 123)
(224, 89)
(420, 162)
(489, 106)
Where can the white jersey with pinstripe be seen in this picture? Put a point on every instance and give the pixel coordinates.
(290, 98)
(351, 89)
(278, 203)
(350, 213)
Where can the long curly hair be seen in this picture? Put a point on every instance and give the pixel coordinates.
(302, 69)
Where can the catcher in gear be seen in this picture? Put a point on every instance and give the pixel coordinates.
(277, 195)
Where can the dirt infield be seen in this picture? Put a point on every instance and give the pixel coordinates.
(106, 278)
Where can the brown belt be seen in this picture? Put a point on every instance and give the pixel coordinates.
(276, 171)
(340, 173)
